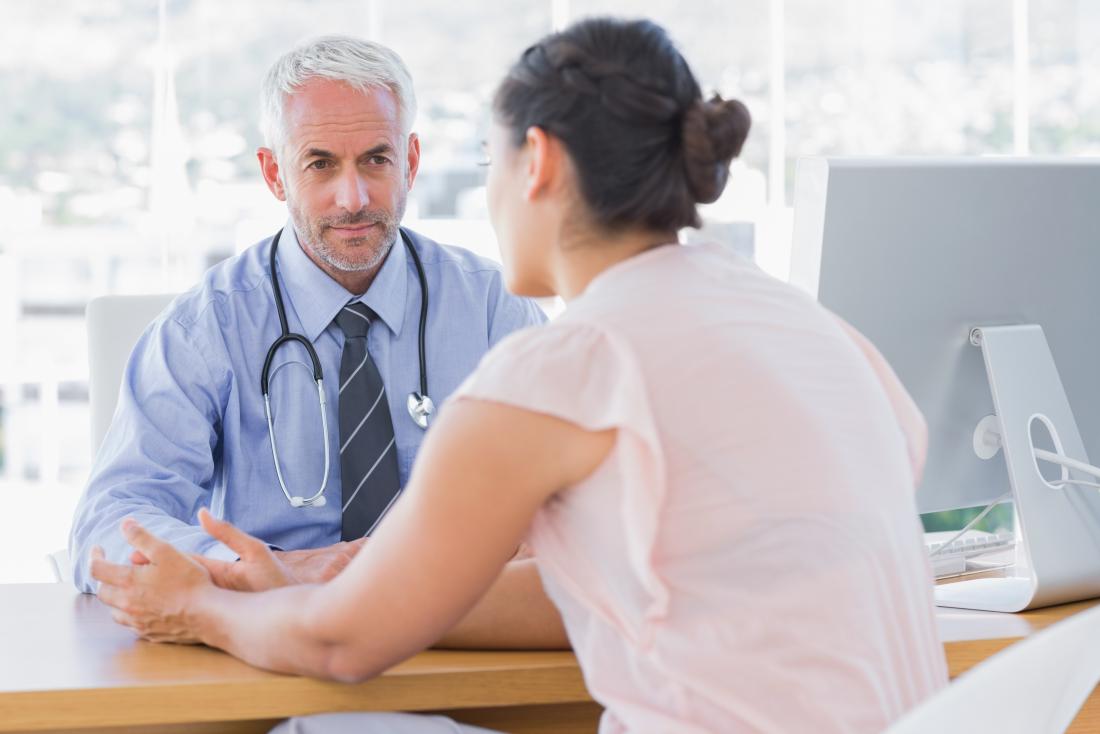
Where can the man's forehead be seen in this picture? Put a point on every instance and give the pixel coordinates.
(326, 103)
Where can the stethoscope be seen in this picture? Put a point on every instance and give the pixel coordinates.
(420, 406)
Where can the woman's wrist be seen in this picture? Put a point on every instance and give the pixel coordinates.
(206, 616)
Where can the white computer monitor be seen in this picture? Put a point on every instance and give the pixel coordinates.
(916, 253)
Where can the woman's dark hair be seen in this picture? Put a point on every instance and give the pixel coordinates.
(646, 146)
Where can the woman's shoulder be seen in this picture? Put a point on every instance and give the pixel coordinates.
(571, 367)
(574, 337)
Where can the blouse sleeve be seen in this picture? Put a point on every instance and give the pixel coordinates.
(582, 374)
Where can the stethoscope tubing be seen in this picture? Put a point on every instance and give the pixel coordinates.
(420, 405)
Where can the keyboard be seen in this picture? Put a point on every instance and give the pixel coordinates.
(953, 560)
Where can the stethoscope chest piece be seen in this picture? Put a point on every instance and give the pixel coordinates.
(421, 408)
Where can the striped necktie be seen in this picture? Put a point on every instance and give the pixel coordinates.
(368, 455)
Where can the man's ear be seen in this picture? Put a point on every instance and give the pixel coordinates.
(413, 159)
(269, 167)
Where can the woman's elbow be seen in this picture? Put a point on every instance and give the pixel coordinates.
(336, 654)
(346, 665)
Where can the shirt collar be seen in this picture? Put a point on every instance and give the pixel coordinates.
(387, 292)
(316, 298)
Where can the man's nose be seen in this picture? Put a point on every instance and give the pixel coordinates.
(352, 194)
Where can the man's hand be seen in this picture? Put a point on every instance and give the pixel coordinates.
(257, 570)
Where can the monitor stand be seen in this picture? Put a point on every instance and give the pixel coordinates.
(1057, 529)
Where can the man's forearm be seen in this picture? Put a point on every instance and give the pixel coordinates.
(96, 527)
(515, 613)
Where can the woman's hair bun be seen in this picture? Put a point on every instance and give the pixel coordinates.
(713, 133)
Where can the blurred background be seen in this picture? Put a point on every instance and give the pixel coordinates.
(128, 136)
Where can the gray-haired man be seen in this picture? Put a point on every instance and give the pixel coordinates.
(191, 430)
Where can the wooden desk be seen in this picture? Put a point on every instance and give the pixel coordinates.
(66, 666)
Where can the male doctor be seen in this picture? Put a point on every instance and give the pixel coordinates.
(191, 429)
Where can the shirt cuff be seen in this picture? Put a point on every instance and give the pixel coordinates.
(221, 552)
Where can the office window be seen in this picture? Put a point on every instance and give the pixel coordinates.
(1063, 87)
(74, 175)
(911, 77)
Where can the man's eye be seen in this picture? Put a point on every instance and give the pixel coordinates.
(379, 160)
(319, 164)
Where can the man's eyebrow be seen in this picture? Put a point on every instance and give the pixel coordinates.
(378, 149)
(322, 153)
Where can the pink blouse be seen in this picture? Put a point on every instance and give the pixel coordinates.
(749, 556)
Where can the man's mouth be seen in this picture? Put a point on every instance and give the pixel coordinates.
(355, 230)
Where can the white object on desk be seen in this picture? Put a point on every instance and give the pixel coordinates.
(1036, 685)
(962, 625)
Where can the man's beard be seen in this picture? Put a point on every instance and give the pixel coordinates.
(357, 255)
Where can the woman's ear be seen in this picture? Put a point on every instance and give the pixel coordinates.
(543, 162)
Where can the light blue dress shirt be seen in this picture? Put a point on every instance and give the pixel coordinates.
(190, 430)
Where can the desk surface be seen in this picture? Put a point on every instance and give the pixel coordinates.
(64, 665)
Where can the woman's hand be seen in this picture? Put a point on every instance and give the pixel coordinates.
(160, 599)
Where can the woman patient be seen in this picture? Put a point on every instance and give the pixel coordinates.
(715, 474)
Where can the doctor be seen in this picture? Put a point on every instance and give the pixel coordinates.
(221, 405)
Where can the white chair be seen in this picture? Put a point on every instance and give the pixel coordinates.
(59, 566)
(114, 325)
(1035, 686)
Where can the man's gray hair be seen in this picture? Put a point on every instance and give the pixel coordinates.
(365, 65)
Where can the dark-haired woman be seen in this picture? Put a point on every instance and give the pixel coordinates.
(715, 474)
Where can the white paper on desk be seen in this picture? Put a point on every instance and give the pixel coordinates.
(956, 625)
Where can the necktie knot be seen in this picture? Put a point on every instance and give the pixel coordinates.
(354, 319)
